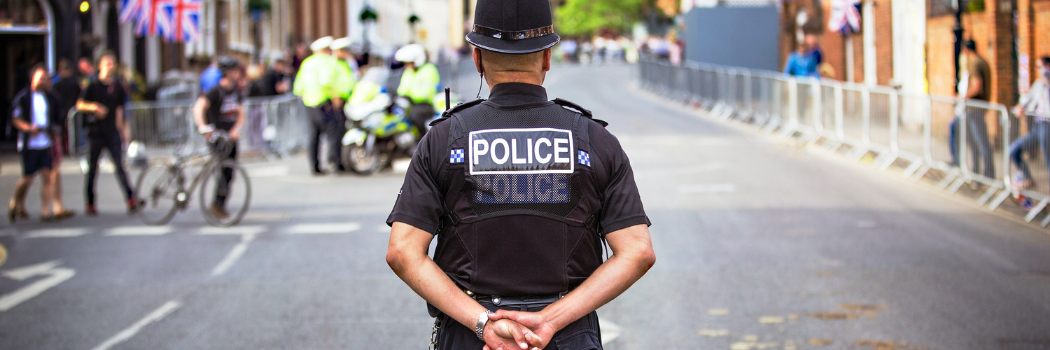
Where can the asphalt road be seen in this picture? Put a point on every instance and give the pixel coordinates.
(760, 245)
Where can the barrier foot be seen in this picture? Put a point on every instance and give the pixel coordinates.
(987, 196)
(884, 161)
(726, 114)
(999, 200)
(858, 155)
(957, 185)
(1046, 221)
(771, 126)
(1036, 210)
(947, 181)
(921, 173)
(911, 169)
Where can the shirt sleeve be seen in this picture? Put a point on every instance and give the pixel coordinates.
(419, 202)
(622, 204)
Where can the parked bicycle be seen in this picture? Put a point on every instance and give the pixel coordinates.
(163, 189)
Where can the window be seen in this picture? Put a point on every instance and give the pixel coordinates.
(21, 13)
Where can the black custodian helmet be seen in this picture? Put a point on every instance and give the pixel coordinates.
(513, 26)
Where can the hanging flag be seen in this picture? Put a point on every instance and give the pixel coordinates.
(185, 19)
(845, 16)
(154, 19)
(131, 10)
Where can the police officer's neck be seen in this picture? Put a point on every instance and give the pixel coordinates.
(496, 78)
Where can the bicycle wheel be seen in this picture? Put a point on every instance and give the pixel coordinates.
(157, 188)
(225, 205)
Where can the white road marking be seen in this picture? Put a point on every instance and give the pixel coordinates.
(239, 230)
(233, 255)
(58, 233)
(610, 331)
(129, 332)
(57, 276)
(383, 229)
(272, 171)
(334, 228)
(139, 231)
(707, 188)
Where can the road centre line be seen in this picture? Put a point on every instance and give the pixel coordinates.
(58, 233)
(139, 231)
(129, 332)
(331, 228)
(234, 254)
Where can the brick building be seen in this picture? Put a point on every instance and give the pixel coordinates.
(992, 29)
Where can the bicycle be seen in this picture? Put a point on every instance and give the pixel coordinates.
(164, 184)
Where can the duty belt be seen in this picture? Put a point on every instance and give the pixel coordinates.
(523, 300)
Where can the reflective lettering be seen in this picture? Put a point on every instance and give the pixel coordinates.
(539, 157)
(528, 150)
(481, 147)
(506, 151)
(514, 152)
(543, 192)
(560, 189)
(500, 185)
(518, 193)
(558, 150)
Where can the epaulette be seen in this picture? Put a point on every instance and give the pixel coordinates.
(461, 106)
(583, 111)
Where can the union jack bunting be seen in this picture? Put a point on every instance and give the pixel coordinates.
(131, 10)
(845, 16)
(185, 19)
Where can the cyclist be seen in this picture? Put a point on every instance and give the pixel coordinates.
(221, 109)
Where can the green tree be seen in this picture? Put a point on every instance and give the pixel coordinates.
(584, 17)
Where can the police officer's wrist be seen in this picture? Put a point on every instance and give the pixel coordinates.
(483, 319)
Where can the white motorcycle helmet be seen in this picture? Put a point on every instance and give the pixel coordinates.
(411, 53)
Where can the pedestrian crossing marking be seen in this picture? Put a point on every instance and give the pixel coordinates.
(139, 231)
(330, 228)
(57, 233)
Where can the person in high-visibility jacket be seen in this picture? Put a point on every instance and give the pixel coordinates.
(419, 83)
(319, 85)
(344, 83)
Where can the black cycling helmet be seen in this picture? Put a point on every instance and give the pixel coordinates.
(228, 63)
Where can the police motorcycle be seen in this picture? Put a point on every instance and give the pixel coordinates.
(379, 131)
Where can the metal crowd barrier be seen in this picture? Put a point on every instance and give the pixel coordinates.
(274, 126)
(952, 142)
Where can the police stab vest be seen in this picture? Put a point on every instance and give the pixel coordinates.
(521, 199)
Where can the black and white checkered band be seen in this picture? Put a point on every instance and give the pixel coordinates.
(514, 35)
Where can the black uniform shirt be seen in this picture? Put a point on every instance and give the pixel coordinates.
(420, 201)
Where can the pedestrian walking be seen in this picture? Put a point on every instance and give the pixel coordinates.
(521, 192)
(34, 112)
(802, 62)
(1035, 103)
(104, 100)
(316, 83)
(419, 83)
(222, 109)
(976, 84)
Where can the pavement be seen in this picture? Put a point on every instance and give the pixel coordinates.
(760, 245)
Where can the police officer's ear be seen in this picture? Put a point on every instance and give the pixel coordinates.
(477, 61)
(547, 59)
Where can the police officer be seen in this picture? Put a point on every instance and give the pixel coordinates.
(419, 83)
(317, 84)
(520, 192)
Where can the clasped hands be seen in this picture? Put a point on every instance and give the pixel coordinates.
(510, 330)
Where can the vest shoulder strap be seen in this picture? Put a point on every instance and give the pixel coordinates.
(583, 111)
(459, 107)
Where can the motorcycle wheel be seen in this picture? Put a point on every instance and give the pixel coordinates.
(360, 160)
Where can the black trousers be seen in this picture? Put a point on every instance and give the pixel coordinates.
(421, 113)
(326, 120)
(113, 146)
(222, 185)
(580, 335)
